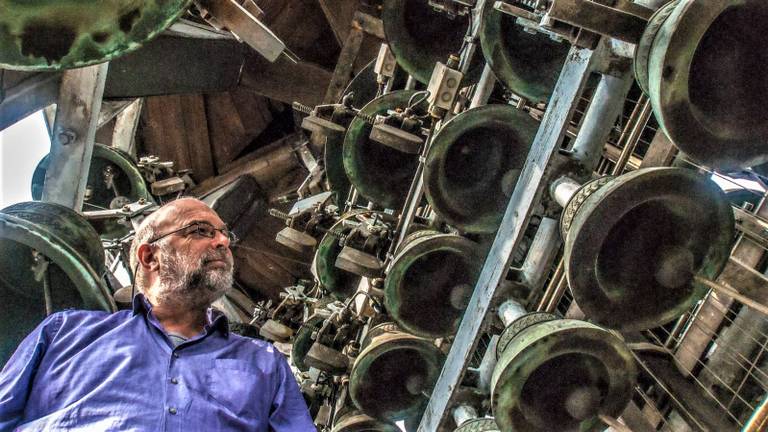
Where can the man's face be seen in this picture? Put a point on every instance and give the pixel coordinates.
(194, 270)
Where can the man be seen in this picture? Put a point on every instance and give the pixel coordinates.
(170, 363)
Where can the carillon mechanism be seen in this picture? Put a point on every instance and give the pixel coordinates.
(114, 182)
(488, 216)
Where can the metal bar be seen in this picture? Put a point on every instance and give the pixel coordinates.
(606, 106)
(529, 188)
(30, 95)
(643, 110)
(77, 116)
(484, 88)
(541, 255)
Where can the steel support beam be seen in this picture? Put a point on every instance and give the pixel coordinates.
(74, 131)
(525, 196)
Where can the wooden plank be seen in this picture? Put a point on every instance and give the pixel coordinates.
(227, 133)
(339, 14)
(74, 131)
(175, 128)
(285, 81)
(529, 188)
(661, 152)
(126, 123)
(344, 70)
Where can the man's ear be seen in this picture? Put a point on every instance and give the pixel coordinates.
(147, 257)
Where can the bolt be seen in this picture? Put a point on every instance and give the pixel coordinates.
(142, 201)
(66, 137)
(126, 209)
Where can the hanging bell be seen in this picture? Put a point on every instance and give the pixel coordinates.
(430, 282)
(634, 244)
(420, 36)
(560, 374)
(703, 64)
(475, 159)
(393, 376)
(51, 260)
(114, 181)
(62, 34)
(527, 63)
(380, 173)
(355, 421)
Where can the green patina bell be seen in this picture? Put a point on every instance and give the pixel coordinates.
(636, 242)
(527, 64)
(703, 64)
(430, 282)
(381, 174)
(114, 180)
(355, 421)
(473, 165)
(63, 34)
(340, 283)
(393, 376)
(559, 374)
(479, 425)
(44, 243)
(420, 36)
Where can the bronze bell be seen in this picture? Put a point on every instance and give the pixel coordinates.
(63, 34)
(430, 282)
(51, 260)
(560, 374)
(474, 162)
(703, 63)
(634, 244)
(393, 376)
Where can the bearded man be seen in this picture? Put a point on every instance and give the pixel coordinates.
(170, 363)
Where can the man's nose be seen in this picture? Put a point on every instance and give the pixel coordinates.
(221, 240)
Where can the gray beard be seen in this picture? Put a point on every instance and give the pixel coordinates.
(189, 285)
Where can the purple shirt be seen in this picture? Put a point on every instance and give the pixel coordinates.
(83, 370)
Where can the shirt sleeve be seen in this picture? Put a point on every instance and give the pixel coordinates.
(17, 375)
(289, 412)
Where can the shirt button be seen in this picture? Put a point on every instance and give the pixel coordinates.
(172, 410)
(174, 381)
(175, 355)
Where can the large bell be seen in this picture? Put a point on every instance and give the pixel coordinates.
(559, 375)
(114, 180)
(381, 174)
(529, 64)
(393, 376)
(63, 34)
(355, 421)
(703, 63)
(430, 282)
(46, 244)
(634, 245)
(420, 36)
(475, 159)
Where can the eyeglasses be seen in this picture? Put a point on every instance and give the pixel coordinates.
(201, 229)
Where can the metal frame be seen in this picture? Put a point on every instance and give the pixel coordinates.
(577, 69)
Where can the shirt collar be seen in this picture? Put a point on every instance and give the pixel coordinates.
(215, 319)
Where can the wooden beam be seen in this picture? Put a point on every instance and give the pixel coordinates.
(74, 131)
(285, 81)
(339, 14)
(344, 70)
(126, 123)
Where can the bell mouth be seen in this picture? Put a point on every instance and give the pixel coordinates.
(727, 85)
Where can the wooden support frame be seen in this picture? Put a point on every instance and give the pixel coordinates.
(74, 131)
(577, 68)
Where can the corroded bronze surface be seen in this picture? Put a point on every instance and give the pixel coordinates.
(473, 165)
(431, 281)
(636, 243)
(392, 377)
(62, 34)
(703, 63)
(76, 262)
(559, 375)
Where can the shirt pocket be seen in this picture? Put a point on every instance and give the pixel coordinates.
(239, 386)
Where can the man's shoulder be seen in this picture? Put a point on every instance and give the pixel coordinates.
(82, 319)
(248, 347)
